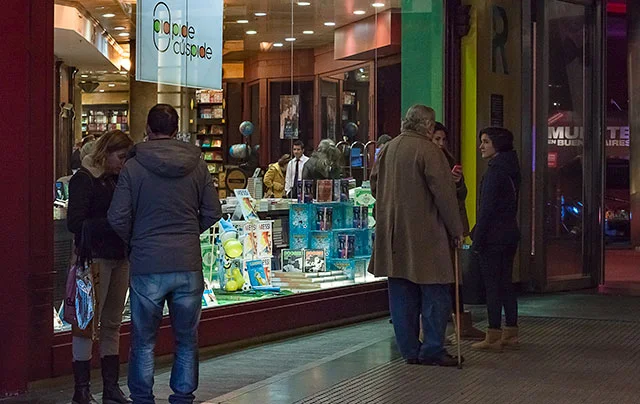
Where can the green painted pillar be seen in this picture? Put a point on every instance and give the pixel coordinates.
(423, 54)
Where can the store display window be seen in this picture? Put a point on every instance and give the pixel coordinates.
(290, 71)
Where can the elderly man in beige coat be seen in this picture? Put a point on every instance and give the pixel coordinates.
(417, 219)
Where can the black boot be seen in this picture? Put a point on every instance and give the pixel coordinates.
(82, 377)
(111, 393)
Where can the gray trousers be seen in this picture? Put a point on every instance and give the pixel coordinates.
(114, 282)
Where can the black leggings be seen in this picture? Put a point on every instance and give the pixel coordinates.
(496, 266)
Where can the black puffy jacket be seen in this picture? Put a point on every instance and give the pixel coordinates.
(90, 194)
(497, 223)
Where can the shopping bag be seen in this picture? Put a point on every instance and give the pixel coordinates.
(70, 296)
(473, 291)
(85, 297)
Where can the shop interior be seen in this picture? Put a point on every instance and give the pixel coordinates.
(320, 63)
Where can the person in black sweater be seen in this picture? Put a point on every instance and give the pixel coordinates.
(440, 133)
(496, 236)
(90, 192)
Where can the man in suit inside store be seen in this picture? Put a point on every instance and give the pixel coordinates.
(294, 169)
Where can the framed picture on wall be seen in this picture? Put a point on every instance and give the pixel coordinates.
(289, 115)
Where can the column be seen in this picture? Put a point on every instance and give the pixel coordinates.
(26, 150)
(423, 54)
(633, 26)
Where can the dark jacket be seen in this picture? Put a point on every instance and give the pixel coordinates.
(164, 200)
(90, 193)
(461, 194)
(497, 223)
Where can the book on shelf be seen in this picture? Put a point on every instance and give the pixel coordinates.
(314, 261)
(324, 190)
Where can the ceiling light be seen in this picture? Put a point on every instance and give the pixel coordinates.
(260, 14)
(307, 32)
(112, 85)
(330, 24)
(123, 73)
(108, 15)
(102, 91)
(278, 45)
(84, 76)
(243, 21)
(377, 5)
(359, 12)
(304, 3)
(119, 28)
(123, 34)
(251, 32)
(290, 39)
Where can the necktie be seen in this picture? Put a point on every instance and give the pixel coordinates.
(295, 178)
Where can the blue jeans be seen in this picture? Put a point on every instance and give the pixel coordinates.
(183, 293)
(407, 301)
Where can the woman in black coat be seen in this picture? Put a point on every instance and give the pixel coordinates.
(90, 192)
(496, 236)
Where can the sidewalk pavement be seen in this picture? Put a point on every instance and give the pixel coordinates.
(577, 348)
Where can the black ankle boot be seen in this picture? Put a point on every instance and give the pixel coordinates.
(82, 377)
(111, 393)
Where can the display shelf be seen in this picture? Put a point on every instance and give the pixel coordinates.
(211, 127)
(97, 119)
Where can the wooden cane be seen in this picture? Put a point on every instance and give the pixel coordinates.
(457, 276)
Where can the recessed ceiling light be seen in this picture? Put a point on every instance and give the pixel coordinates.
(377, 5)
(102, 91)
(243, 21)
(308, 32)
(359, 12)
(278, 45)
(290, 39)
(260, 14)
(123, 73)
(304, 3)
(84, 76)
(330, 24)
(251, 32)
(108, 15)
(112, 85)
(119, 28)
(123, 34)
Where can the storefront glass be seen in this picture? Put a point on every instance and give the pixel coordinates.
(290, 71)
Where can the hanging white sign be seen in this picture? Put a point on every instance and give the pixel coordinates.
(179, 42)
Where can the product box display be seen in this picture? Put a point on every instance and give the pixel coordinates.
(324, 191)
(314, 261)
(292, 260)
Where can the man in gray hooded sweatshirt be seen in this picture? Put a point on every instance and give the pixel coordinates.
(164, 200)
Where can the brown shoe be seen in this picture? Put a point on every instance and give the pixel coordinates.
(510, 337)
(492, 341)
(468, 332)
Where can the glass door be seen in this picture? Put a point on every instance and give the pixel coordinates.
(568, 144)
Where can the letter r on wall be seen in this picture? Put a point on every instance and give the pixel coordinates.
(500, 28)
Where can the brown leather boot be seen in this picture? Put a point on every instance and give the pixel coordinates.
(467, 331)
(510, 337)
(492, 341)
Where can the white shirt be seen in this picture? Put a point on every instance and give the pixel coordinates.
(291, 172)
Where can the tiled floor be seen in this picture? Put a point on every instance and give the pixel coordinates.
(579, 347)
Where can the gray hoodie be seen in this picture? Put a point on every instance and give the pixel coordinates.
(164, 200)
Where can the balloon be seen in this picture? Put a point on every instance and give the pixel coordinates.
(246, 128)
(239, 151)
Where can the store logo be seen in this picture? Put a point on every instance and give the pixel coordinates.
(173, 36)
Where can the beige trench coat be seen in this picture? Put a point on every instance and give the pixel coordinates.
(416, 212)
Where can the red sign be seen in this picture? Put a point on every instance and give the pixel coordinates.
(552, 160)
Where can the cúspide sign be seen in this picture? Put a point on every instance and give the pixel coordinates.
(179, 42)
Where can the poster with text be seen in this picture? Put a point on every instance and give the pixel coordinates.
(289, 115)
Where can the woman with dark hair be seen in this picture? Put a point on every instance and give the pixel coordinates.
(90, 192)
(440, 133)
(496, 236)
